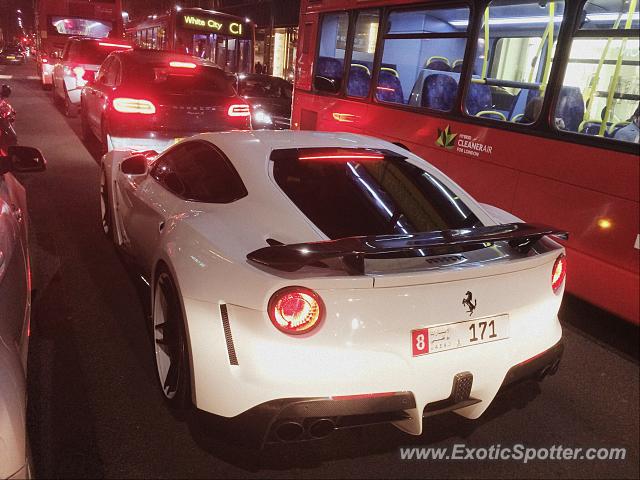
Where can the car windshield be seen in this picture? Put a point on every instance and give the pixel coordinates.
(370, 197)
(168, 79)
(265, 87)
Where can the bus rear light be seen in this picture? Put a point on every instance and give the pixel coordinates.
(176, 64)
(559, 273)
(239, 110)
(133, 105)
(295, 310)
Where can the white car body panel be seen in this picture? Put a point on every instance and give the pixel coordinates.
(363, 345)
(15, 308)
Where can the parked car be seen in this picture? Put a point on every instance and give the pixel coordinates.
(80, 61)
(303, 282)
(270, 99)
(12, 55)
(15, 309)
(7, 117)
(149, 99)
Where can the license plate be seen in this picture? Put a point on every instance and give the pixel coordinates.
(459, 335)
(9, 57)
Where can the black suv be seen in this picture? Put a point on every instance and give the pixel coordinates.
(144, 99)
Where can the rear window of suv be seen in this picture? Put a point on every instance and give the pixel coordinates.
(88, 52)
(382, 196)
(168, 79)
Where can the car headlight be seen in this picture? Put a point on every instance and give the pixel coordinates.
(262, 117)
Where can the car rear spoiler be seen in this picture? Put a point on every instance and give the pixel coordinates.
(353, 250)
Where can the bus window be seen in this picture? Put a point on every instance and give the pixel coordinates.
(333, 43)
(419, 71)
(605, 70)
(364, 47)
(513, 60)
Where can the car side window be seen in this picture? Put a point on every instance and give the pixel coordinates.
(199, 172)
(117, 65)
(102, 73)
(112, 73)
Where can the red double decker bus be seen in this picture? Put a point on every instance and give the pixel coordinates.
(532, 106)
(56, 20)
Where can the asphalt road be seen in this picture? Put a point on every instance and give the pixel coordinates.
(95, 410)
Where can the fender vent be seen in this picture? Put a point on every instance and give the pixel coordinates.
(231, 349)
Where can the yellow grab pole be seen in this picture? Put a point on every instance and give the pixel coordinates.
(616, 72)
(485, 60)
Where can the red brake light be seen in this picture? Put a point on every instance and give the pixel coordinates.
(352, 157)
(116, 45)
(239, 110)
(295, 310)
(133, 105)
(176, 64)
(559, 273)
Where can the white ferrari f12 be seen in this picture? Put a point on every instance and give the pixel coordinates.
(306, 281)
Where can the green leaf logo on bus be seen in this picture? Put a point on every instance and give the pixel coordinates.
(446, 138)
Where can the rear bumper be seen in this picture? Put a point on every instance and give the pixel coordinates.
(300, 419)
(536, 368)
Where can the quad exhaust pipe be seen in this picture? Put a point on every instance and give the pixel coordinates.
(292, 430)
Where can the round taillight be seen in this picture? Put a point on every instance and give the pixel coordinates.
(295, 310)
(559, 273)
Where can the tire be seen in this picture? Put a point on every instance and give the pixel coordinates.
(104, 137)
(106, 214)
(70, 110)
(54, 96)
(87, 134)
(171, 353)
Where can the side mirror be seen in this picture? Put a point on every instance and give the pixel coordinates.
(26, 159)
(325, 84)
(134, 165)
(5, 91)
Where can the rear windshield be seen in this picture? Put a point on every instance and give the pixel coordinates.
(167, 79)
(370, 197)
(11, 49)
(90, 52)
